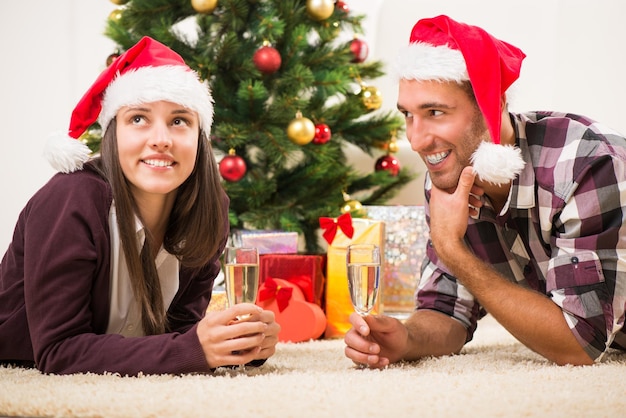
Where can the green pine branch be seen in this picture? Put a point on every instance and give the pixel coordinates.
(287, 186)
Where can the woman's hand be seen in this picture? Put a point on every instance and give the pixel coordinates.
(228, 340)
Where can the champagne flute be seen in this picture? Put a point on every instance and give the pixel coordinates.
(363, 261)
(241, 278)
(241, 271)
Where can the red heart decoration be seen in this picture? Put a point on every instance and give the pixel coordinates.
(299, 320)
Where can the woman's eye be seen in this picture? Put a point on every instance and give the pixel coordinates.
(180, 122)
(137, 119)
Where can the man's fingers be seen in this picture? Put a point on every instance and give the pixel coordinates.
(466, 181)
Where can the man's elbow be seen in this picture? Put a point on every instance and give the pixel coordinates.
(579, 358)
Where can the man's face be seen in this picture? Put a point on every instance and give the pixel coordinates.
(443, 125)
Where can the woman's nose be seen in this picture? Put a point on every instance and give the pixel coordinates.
(160, 138)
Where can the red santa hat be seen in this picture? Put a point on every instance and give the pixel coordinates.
(445, 50)
(147, 72)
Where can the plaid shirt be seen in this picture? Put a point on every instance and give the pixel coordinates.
(561, 232)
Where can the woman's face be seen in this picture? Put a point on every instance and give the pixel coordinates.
(157, 144)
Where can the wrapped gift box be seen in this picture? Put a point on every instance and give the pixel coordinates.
(300, 314)
(267, 242)
(406, 238)
(338, 304)
(299, 319)
(296, 267)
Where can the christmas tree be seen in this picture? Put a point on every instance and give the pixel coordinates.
(291, 90)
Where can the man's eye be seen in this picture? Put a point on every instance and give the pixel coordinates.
(406, 113)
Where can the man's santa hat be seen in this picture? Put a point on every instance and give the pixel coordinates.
(445, 50)
(147, 72)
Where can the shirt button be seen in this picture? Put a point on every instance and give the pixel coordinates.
(574, 260)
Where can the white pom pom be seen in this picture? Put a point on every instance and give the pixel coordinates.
(497, 164)
(66, 154)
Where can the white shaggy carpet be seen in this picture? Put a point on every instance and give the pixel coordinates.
(495, 376)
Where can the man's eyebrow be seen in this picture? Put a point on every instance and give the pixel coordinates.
(428, 105)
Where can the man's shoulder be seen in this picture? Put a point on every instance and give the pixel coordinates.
(568, 135)
(551, 126)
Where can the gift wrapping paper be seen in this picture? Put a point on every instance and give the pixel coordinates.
(287, 266)
(338, 303)
(266, 242)
(406, 238)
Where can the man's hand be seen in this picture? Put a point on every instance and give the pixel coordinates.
(449, 211)
(375, 340)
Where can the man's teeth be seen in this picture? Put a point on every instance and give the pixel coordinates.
(158, 163)
(437, 158)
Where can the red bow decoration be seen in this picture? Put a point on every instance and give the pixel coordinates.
(271, 289)
(329, 225)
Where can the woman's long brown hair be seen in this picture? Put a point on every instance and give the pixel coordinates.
(195, 229)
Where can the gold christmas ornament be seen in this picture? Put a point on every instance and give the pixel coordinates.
(320, 9)
(115, 15)
(204, 6)
(392, 147)
(301, 130)
(351, 206)
(119, 2)
(371, 97)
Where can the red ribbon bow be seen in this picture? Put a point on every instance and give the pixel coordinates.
(329, 225)
(271, 289)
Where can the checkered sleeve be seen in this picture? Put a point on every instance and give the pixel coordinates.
(440, 291)
(586, 274)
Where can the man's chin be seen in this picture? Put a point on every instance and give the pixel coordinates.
(446, 182)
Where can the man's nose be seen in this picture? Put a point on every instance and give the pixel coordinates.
(417, 134)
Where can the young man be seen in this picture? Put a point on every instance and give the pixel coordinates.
(525, 211)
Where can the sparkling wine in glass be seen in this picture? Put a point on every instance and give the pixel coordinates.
(241, 271)
(363, 261)
(241, 278)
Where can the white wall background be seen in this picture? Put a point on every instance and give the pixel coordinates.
(53, 51)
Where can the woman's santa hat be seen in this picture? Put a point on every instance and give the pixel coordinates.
(445, 50)
(147, 72)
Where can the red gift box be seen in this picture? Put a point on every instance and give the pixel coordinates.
(292, 286)
(305, 270)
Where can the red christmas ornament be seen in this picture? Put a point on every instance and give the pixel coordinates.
(359, 49)
(267, 59)
(388, 163)
(232, 167)
(112, 58)
(322, 134)
(340, 5)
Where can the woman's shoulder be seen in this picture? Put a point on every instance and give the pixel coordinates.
(79, 187)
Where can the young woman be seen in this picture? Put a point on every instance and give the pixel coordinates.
(112, 262)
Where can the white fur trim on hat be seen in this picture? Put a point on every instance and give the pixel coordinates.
(497, 164)
(64, 153)
(172, 83)
(423, 61)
